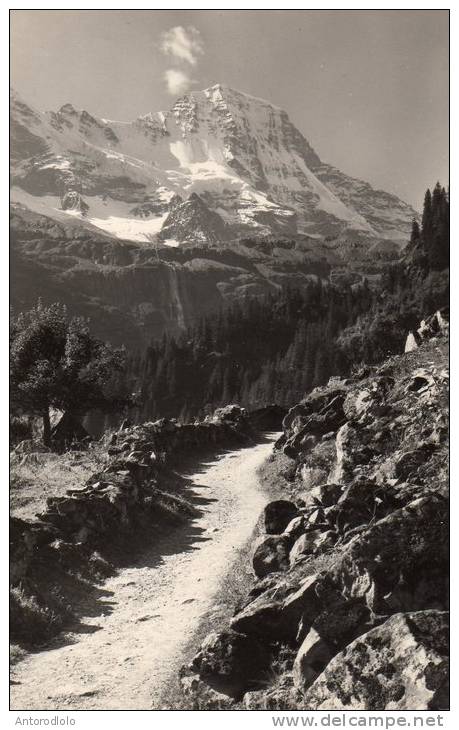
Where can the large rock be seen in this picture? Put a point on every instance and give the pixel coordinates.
(296, 527)
(320, 413)
(324, 495)
(313, 655)
(312, 543)
(271, 555)
(399, 563)
(408, 463)
(347, 444)
(231, 661)
(400, 665)
(277, 515)
(276, 613)
(200, 695)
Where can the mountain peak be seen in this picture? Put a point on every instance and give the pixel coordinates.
(236, 161)
(228, 92)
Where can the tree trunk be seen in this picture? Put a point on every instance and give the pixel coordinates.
(46, 428)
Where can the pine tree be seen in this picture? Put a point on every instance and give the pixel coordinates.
(415, 234)
(427, 215)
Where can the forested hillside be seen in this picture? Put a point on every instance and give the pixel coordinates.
(274, 349)
(258, 351)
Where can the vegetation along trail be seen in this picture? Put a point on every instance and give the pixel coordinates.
(128, 655)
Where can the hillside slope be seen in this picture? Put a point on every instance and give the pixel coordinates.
(350, 596)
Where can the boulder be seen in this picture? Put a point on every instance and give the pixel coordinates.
(263, 618)
(277, 515)
(231, 661)
(320, 413)
(400, 665)
(411, 342)
(200, 695)
(277, 698)
(340, 621)
(309, 543)
(324, 495)
(409, 462)
(275, 614)
(296, 527)
(347, 445)
(313, 655)
(357, 403)
(305, 603)
(232, 414)
(271, 555)
(399, 562)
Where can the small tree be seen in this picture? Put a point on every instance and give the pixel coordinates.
(56, 363)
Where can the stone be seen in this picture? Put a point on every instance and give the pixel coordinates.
(400, 665)
(305, 545)
(325, 542)
(316, 519)
(274, 616)
(277, 515)
(296, 527)
(340, 621)
(347, 442)
(201, 695)
(313, 655)
(403, 556)
(324, 495)
(278, 698)
(305, 603)
(271, 555)
(408, 463)
(262, 617)
(357, 403)
(410, 343)
(232, 661)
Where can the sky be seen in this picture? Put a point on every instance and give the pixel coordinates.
(368, 89)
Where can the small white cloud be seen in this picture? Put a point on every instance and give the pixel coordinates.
(184, 44)
(177, 82)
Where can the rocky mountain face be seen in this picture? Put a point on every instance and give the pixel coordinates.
(239, 158)
(146, 225)
(349, 610)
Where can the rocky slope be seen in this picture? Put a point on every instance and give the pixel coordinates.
(349, 609)
(252, 171)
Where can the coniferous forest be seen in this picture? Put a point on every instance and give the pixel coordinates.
(277, 348)
(258, 351)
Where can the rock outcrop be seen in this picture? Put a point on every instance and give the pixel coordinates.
(353, 585)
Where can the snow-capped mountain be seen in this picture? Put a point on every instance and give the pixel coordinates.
(219, 166)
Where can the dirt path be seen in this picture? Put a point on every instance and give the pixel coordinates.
(129, 654)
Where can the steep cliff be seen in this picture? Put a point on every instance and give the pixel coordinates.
(133, 293)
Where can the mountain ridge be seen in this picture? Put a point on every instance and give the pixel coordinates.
(240, 154)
